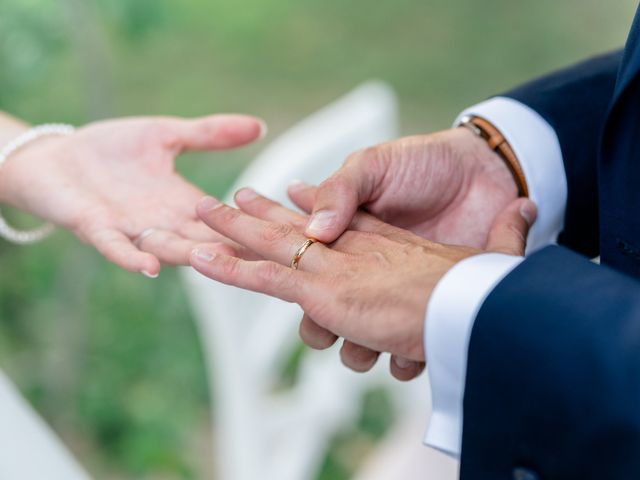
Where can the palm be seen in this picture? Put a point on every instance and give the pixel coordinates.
(444, 187)
(113, 180)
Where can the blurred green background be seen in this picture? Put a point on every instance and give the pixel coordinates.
(100, 352)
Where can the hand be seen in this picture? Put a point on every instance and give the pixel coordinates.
(447, 186)
(111, 181)
(370, 287)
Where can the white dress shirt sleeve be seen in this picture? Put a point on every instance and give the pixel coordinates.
(458, 297)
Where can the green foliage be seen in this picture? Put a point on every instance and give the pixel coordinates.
(30, 35)
(111, 359)
(351, 446)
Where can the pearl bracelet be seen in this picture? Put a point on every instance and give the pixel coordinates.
(32, 236)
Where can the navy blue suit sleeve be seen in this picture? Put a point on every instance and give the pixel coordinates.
(575, 101)
(553, 376)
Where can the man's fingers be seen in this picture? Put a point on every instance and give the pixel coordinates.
(403, 369)
(173, 249)
(339, 197)
(358, 358)
(119, 249)
(273, 241)
(314, 335)
(264, 208)
(215, 132)
(303, 195)
(262, 276)
(200, 232)
(509, 231)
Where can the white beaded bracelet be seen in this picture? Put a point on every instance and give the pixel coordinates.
(31, 236)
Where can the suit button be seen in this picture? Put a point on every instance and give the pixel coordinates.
(524, 474)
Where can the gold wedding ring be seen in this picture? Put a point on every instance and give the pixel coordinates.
(295, 261)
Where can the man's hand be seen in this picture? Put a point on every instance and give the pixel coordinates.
(111, 181)
(371, 286)
(447, 187)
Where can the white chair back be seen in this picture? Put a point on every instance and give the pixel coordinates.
(29, 449)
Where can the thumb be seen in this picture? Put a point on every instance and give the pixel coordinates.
(509, 231)
(338, 198)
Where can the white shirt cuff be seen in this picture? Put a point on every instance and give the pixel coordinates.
(453, 307)
(458, 297)
(537, 149)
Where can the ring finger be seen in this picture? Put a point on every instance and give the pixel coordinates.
(274, 241)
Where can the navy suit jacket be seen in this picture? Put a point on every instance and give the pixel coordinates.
(553, 376)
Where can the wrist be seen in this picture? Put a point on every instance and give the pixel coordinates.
(10, 131)
(486, 162)
(18, 170)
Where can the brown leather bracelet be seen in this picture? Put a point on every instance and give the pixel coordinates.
(498, 144)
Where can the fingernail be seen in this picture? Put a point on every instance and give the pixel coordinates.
(402, 362)
(209, 203)
(321, 221)
(149, 275)
(264, 130)
(203, 255)
(296, 184)
(246, 194)
(529, 212)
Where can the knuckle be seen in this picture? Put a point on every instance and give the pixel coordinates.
(275, 232)
(354, 158)
(267, 272)
(517, 232)
(224, 214)
(231, 267)
(362, 156)
(335, 183)
(299, 224)
(162, 130)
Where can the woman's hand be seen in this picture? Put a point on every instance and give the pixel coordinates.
(370, 287)
(111, 181)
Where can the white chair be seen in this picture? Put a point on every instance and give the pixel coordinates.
(29, 449)
(268, 433)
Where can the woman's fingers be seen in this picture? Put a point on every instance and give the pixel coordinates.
(404, 369)
(274, 241)
(119, 249)
(168, 247)
(314, 335)
(215, 132)
(509, 231)
(261, 276)
(358, 358)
